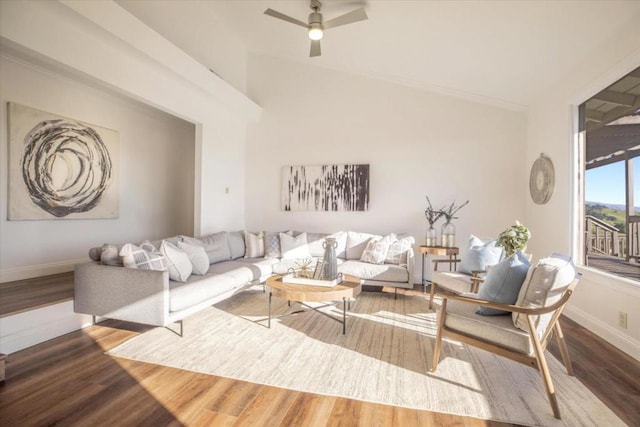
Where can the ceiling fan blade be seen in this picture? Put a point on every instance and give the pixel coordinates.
(315, 48)
(347, 18)
(284, 17)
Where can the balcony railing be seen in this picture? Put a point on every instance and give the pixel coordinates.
(604, 238)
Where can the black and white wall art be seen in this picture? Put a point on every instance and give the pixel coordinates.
(325, 188)
(60, 168)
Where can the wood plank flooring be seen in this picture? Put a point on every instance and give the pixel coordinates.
(70, 381)
(28, 294)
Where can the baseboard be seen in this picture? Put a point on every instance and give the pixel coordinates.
(605, 331)
(21, 273)
(33, 327)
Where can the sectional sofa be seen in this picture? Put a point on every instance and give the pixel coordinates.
(162, 282)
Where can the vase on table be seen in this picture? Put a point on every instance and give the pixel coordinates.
(330, 269)
(431, 238)
(448, 233)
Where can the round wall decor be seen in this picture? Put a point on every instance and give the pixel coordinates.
(541, 180)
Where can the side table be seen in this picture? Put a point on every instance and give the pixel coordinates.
(450, 251)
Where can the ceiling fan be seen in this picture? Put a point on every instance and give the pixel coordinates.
(316, 26)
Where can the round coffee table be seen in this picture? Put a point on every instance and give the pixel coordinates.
(343, 292)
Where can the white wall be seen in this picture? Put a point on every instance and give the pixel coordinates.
(598, 297)
(156, 169)
(416, 143)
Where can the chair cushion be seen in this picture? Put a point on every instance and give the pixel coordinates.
(480, 254)
(503, 282)
(452, 280)
(499, 329)
(381, 272)
(544, 285)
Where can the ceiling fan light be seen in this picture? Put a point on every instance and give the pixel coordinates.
(315, 32)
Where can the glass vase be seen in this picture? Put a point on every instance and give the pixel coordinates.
(448, 235)
(431, 238)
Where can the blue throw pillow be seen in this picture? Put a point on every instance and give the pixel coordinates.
(503, 282)
(481, 253)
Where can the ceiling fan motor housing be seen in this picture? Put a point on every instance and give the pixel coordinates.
(315, 18)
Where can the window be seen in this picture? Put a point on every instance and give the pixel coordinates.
(610, 126)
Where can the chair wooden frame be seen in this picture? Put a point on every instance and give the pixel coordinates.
(535, 360)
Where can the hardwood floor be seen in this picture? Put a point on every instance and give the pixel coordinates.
(22, 295)
(70, 381)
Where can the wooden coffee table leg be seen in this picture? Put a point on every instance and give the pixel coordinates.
(344, 316)
(269, 322)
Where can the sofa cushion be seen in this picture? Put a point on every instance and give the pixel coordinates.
(381, 272)
(254, 245)
(198, 257)
(198, 289)
(503, 283)
(179, 264)
(173, 240)
(261, 268)
(544, 285)
(216, 247)
(398, 250)
(480, 254)
(498, 329)
(135, 257)
(376, 251)
(294, 247)
(315, 241)
(357, 242)
(235, 239)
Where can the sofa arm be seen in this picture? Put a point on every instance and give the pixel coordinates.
(140, 296)
(410, 265)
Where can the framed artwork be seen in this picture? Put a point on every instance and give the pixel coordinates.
(325, 188)
(60, 168)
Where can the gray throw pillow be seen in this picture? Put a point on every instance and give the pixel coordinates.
(503, 283)
(95, 253)
(216, 247)
(236, 244)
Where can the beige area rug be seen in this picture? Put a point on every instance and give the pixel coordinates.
(384, 358)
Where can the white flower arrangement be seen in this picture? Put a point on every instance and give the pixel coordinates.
(514, 238)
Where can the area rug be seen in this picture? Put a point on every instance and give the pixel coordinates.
(384, 358)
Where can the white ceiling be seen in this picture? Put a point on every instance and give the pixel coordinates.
(501, 52)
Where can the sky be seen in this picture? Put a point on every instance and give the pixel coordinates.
(606, 183)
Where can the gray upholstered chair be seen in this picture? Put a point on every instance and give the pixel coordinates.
(521, 335)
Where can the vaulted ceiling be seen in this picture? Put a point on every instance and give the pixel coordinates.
(500, 52)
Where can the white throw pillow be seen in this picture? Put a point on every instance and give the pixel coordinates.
(198, 257)
(294, 247)
(376, 251)
(179, 265)
(398, 250)
(135, 257)
(254, 245)
(543, 286)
